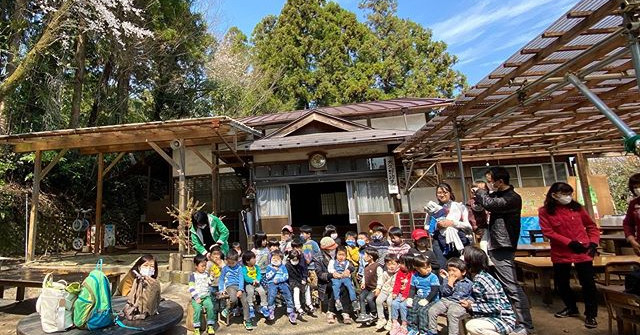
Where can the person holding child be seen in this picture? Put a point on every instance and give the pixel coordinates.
(574, 239)
(368, 284)
(328, 303)
(277, 277)
(456, 288)
(232, 282)
(340, 269)
(424, 290)
(491, 310)
(199, 288)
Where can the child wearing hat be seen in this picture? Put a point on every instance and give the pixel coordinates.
(420, 239)
(285, 239)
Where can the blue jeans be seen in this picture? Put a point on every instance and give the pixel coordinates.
(346, 282)
(286, 294)
(399, 306)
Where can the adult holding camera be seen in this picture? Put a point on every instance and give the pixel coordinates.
(207, 231)
(574, 238)
(504, 206)
(631, 221)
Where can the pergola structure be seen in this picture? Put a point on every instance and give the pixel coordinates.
(179, 135)
(572, 90)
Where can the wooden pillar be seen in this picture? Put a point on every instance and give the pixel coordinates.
(33, 214)
(182, 193)
(439, 172)
(215, 180)
(583, 174)
(99, 235)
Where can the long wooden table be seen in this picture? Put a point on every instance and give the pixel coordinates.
(622, 307)
(169, 314)
(534, 249)
(543, 267)
(25, 277)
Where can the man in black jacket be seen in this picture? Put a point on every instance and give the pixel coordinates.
(504, 206)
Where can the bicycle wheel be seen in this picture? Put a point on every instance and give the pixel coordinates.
(78, 224)
(78, 243)
(85, 224)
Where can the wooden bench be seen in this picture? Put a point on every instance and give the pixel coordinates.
(25, 277)
(170, 314)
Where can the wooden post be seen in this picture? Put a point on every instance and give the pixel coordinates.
(583, 174)
(215, 180)
(33, 214)
(439, 172)
(97, 247)
(182, 194)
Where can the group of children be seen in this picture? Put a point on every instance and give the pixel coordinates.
(399, 287)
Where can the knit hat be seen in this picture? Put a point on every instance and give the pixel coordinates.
(327, 243)
(418, 234)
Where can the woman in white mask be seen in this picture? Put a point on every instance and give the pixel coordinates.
(574, 239)
(144, 266)
(631, 221)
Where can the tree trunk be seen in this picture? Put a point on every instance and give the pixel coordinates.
(101, 92)
(123, 94)
(19, 23)
(48, 37)
(78, 80)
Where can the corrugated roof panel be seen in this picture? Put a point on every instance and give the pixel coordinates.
(587, 39)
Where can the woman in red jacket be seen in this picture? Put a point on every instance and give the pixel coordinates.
(631, 221)
(574, 238)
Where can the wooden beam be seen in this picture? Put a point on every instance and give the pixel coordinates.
(33, 214)
(583, 173)
(182, 194)
(230, 148)
(164, 155)
(592, 31)
(53, 163)
(99, 234)
(215, 179)
(113, 163)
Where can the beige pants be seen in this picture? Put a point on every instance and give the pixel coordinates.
(481, 327)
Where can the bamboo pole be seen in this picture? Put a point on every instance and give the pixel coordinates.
(583, 173)
(97, 247)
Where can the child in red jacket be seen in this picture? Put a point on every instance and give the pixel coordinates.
(400, 294)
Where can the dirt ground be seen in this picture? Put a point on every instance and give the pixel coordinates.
(543, 318)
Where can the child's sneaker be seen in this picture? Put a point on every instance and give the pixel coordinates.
(210, 330)
(338, 305)
(356, 305)
(252, 313)
(363, 318)
(300, 311)
(224, 313)
(413, 332)
(272, 314)
(292, 318)
(248, 325)
(381, 323)
(310, 310)
(196, 331)
(346, 318)
(331, 319)
(264, 311)
(388, 326)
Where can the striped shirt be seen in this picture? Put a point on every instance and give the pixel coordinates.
(399, 250)
(491, 303)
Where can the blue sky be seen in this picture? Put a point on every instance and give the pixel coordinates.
(481, 33)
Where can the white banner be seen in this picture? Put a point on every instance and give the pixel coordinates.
(392, 179)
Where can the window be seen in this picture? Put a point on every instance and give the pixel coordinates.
(529, 175)
(334, 203)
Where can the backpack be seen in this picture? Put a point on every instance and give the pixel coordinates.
(632, 282)
(55, 304)
(143, 299)
(92, 309)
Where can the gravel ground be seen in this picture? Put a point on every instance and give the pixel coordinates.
(542, 315)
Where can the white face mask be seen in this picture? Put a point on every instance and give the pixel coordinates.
(334, 236)
(147, 271)
(564, 199)
(294, 262)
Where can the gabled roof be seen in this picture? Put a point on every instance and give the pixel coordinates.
(355, 111)
(314, 116)
(327, 140)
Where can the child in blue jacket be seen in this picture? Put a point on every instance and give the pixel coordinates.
(277, 280)
(232, 281)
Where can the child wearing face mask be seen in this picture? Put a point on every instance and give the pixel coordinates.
(337, 268)
(362, 242)
(330, 230)
(574, 239)
(353, 255)
(379, 239)
(277, 277)
(397, 246)
(298, 281)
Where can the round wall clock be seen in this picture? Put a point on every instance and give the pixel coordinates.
(318, 161)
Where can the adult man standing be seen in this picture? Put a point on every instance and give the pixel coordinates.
(504, 206)
(207, 231)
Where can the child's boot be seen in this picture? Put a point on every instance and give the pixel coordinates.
(210, 330)
(356, 305)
